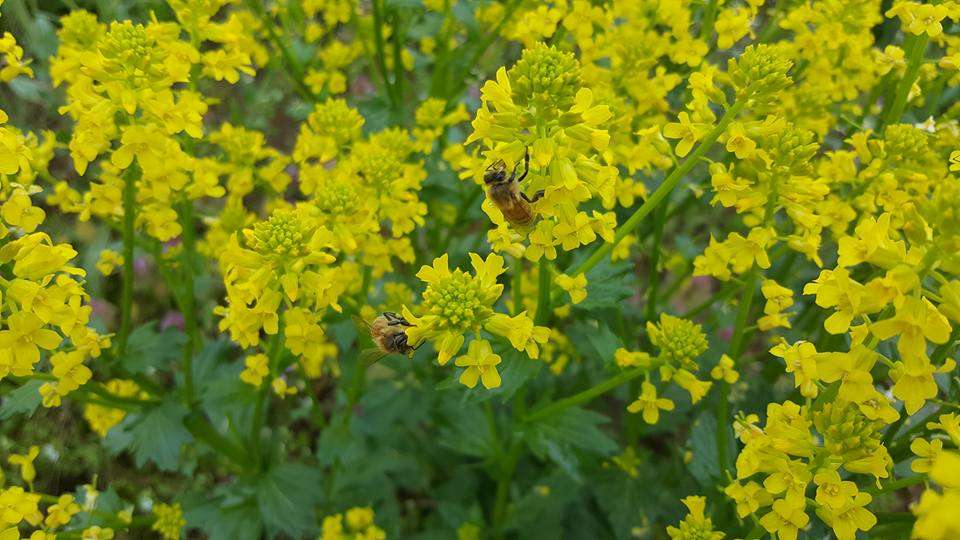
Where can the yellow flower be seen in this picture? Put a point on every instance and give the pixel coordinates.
(851, 516)
(25, 462)
(725, 371)
(927, 453)
(688, 131)
(108, 261)
(169, 521)
(24, 337)
(60, 513)
(786, 518)
(919, 18)
(480, 363)
(457, 302)
(695, 526)
(575, 286)
(281, 389)
(256, 367)
(649, 404)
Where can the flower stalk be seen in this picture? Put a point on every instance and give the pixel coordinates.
(660, 194)
(129, 219)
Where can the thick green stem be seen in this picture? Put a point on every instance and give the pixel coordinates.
(543, 293)
(709, 18)
(129, 216)
(588, 394)
(917, 49)
(200, 428)
(189, 302)
(660, 194)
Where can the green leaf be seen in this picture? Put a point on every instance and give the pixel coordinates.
(704, 466)
(286, 496)
(223, 519)
(516, 370)
(23, 400)
(147, 348)
(562, 437)
(158, 435)
(607, 286)
(594, 341)
(469, 433)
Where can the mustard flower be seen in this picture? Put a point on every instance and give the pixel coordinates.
(480, 364)
(695, 526)
(169, 521)
(649, 404)
(457, 302)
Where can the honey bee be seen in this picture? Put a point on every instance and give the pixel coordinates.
(388, 332)
(505, 191)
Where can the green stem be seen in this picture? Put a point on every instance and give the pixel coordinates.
(259, 409)
(189, 302)
(653, 278)
(736, 349)
(507, 469)
(917, 48)
(898, 484)
(461, 79)
(661, 193)
(200, 428)
(129, 216)
(378, 42)
(397, 59)
(543, 293)
(709, 18)
(294, 69)
(517, 285)
(587, 395)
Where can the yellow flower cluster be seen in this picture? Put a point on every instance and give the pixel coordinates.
(43, 304)
(354, 524)
(455, 303)
(680, 342)
(541, 106)
(48, 517)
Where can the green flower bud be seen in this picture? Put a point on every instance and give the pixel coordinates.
(680, 341)
(545, 78)
(758, 75)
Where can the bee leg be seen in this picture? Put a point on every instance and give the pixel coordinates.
(536, 196)
(526, 164)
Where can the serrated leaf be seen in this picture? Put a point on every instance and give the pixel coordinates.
(515, 371)
(148, 348)
(607, 286)
(469, 433)
(595, 342)
(704, 465)
(23, 400)
(158, 435)
(221, 519)
(286, 496)
(573, 430)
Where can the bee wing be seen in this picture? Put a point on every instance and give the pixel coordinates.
(371, 356)
(361, 324)
(496, 165)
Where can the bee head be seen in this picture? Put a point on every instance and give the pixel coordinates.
(495, 173)
(494, 176)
